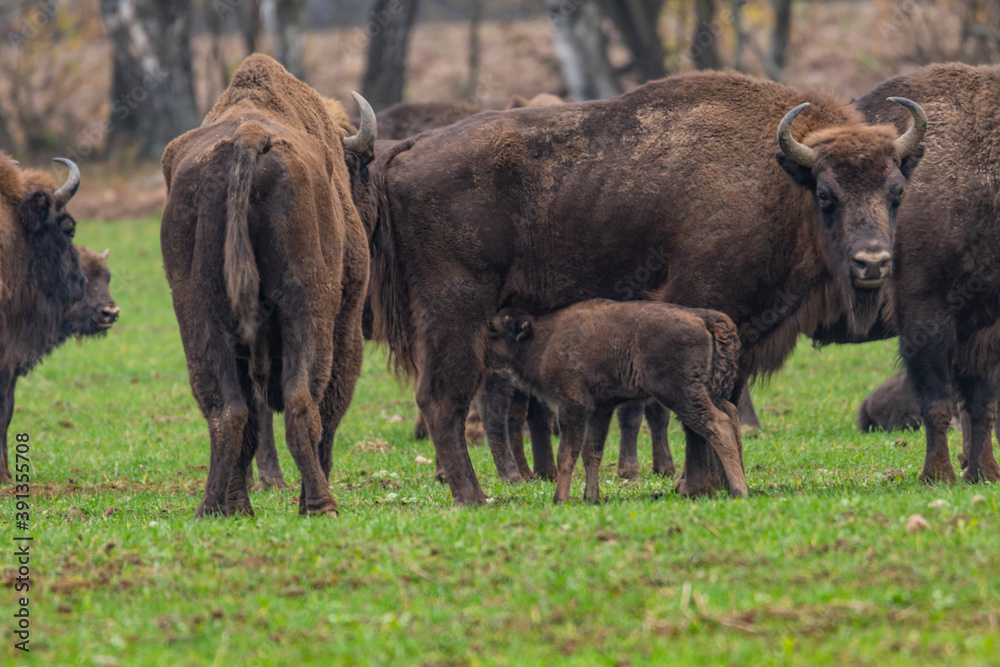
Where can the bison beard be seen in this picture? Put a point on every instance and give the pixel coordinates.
(265, 255)
(544, 207)
(946, 277)
(40, 275)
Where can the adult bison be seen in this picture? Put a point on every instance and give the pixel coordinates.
(40, 275)
(946, 293)
(544, 207)
(267, 262)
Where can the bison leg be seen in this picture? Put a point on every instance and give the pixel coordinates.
(593, 452)
(450, 375)
(494, 407)
(572, 428)
(979, 399)
(748, 415)
(658, 418)
(268, 467)
(7, 383)
(629, 421)
(515, 431)
(419, 426)
(237, 497)
(540, 425)
(930, 374)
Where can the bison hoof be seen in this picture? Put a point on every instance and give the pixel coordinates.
(511, 478)
(318, 507)
(982, 473)
(5, 477)
(440, 476)
(628, 470)
(665, 471)
(945, 475)
(207, 509)
(702, 487)
(963, 460)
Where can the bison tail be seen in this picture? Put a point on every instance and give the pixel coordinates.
(239, 263)
(725, 357)
(390, 299)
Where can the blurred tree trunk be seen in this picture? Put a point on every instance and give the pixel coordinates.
(290, 15)
(582, 49)
(782, 28)
(475, 24)
(703, 50)
(152, 93)
(6, 138)
(214, 24)
(385, 72)
(248, 17)
(637, 21)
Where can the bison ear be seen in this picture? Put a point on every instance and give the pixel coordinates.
(522, 329)
(911, 161)
(36, 211)
(801, 175)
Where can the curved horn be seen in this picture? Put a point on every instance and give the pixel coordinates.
(363, 142)
(69, 188)
(104, 255)
(800, 153)
(907, 143)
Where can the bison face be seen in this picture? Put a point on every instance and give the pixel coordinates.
(55, 262)
(508, 329)
(857, 176)
(97, 312)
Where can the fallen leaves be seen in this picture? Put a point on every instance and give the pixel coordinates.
(917, 523)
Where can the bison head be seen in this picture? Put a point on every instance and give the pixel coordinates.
(857, 175)
(509, 328)
(97, 312)
(49, 232)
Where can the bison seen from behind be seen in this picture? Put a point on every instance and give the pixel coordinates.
(267, 262)
(541, 208)
(591, 357)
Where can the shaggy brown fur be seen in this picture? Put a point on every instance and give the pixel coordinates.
(40, 280)
(591, 357)
(265, 255)
(672, 191)
(947, 258)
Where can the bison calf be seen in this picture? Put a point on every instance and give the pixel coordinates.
(589, 358)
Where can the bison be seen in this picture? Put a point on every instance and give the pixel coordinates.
(946, 261)
(267, 261)
(587, 359)
(543, 207)
(40, 276)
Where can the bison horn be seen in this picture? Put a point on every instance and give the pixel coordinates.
(72, 184)
(907, 143)
(363, 142)
(105, 254)
(800, 153)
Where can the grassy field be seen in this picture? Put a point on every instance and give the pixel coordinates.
(816, 567)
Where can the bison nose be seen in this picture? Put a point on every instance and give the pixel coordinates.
(869, 265)
(110, 313)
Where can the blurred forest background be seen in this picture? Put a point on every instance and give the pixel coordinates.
(110, 82)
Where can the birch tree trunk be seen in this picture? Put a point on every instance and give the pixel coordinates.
(582, 49)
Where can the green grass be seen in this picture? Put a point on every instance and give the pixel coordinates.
(816, 567)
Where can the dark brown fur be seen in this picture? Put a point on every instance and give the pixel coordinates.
(266, 259)
(591, 357)
(947, 257)
(540, 208)
(40, 280)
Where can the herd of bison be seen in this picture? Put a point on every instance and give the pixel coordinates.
(551, 263)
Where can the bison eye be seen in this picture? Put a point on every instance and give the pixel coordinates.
(825, 200)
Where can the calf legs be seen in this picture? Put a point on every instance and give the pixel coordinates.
(593, 451)
(572, 428)
(630, 420)
(658, 418)
(540, 426)
(495, 408)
